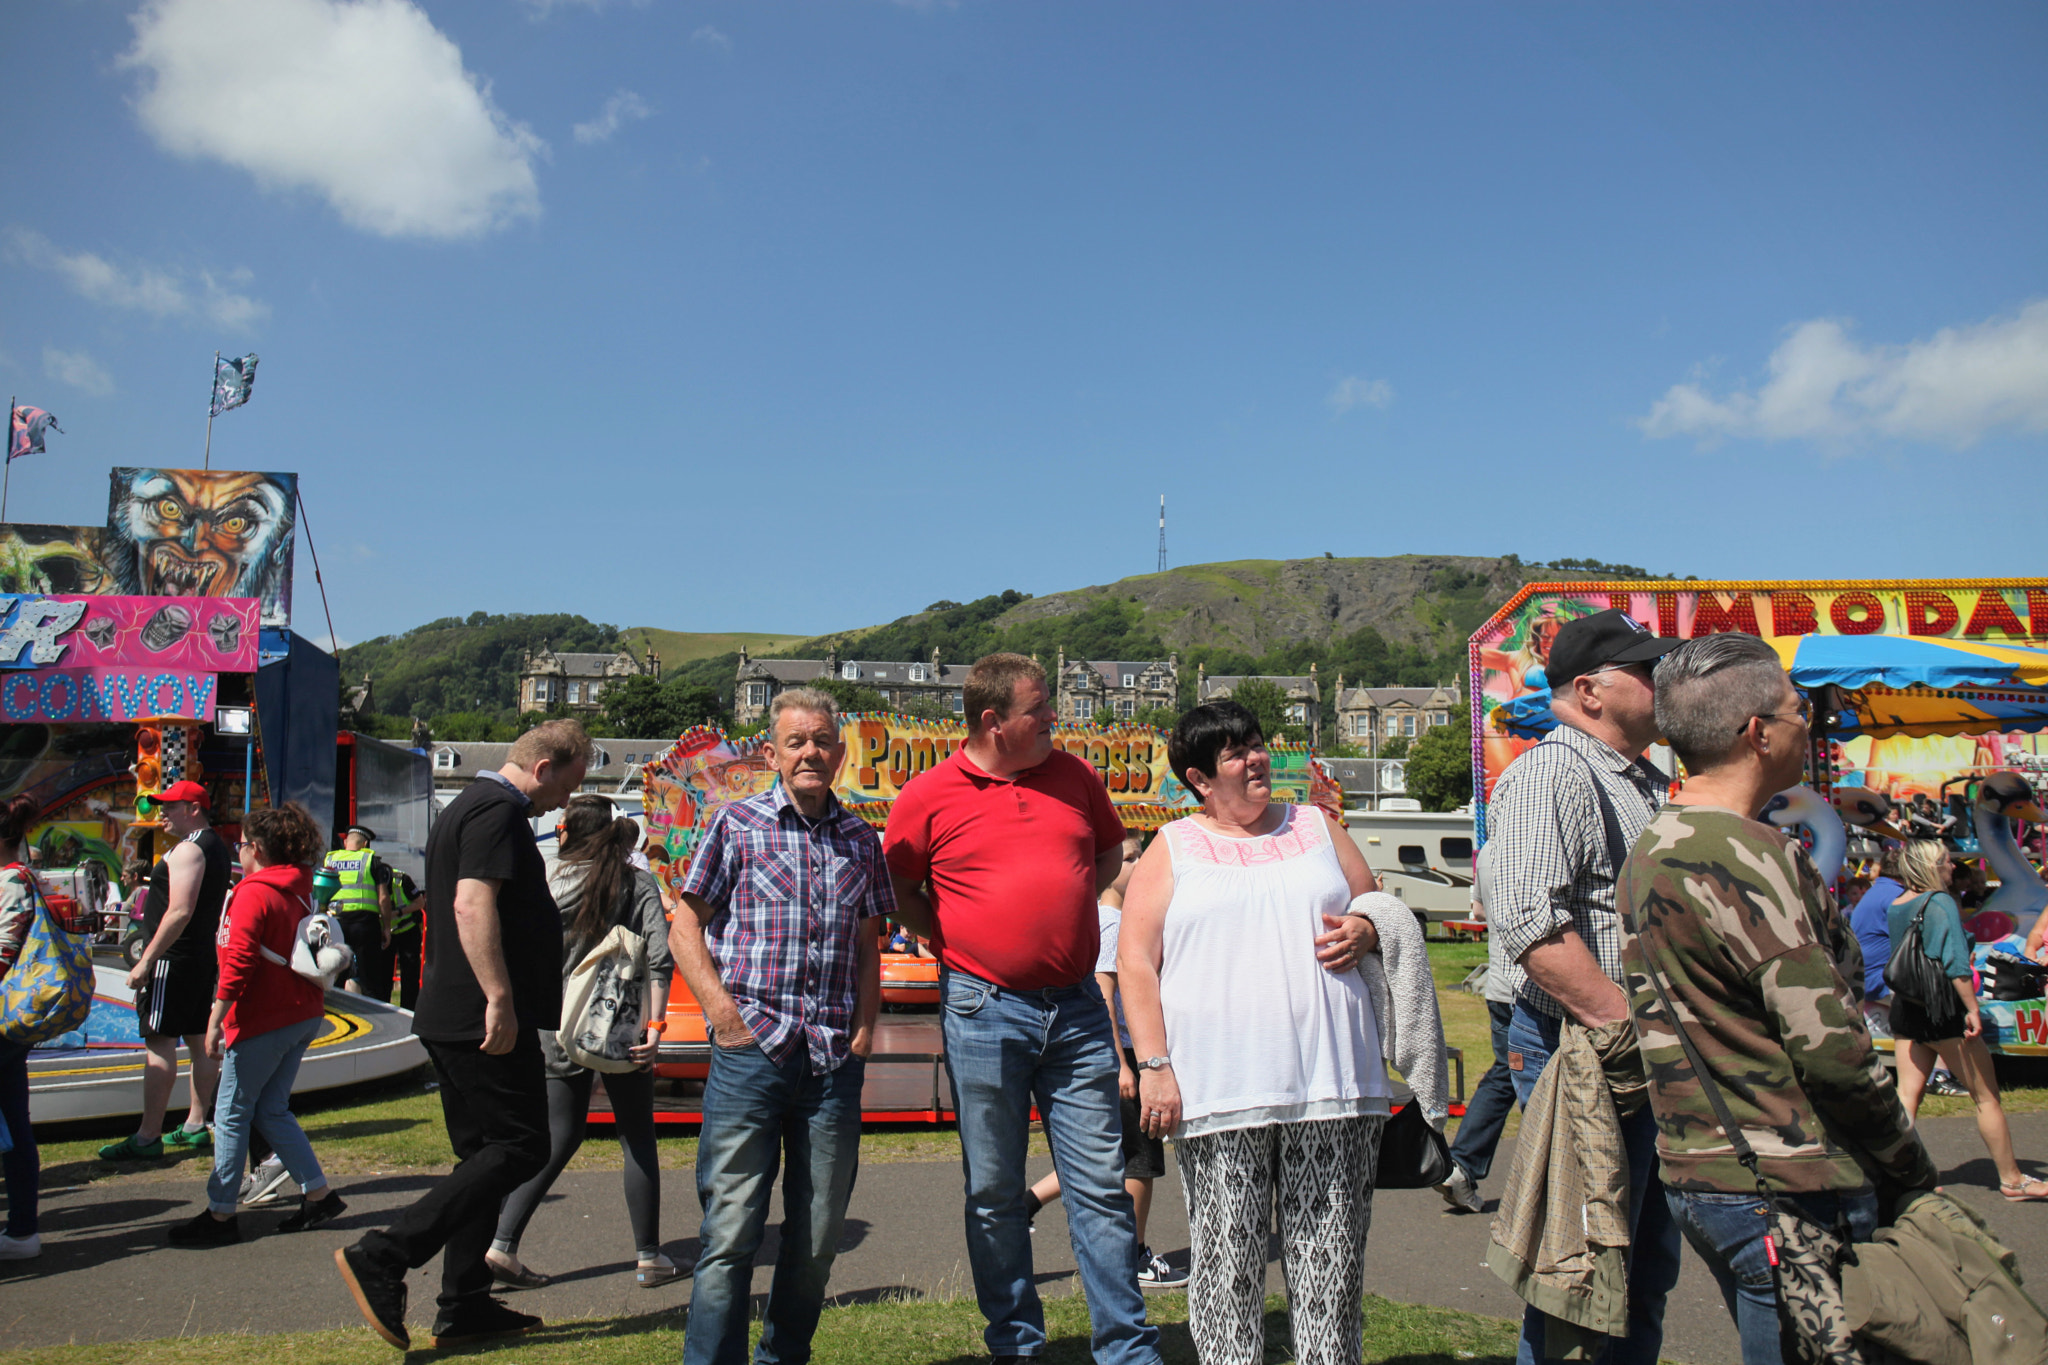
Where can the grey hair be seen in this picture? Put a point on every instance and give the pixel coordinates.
(807, 699)
(1707, 691)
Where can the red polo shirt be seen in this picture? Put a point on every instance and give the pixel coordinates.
(1011, 861)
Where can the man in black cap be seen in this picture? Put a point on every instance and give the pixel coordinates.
(1561, 819)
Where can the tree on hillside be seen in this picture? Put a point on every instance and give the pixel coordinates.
(1267, 703)
(1440, 767)
(1162, 718)
(1396, 747)
(849, 696)
(641, 708)
(471, 727)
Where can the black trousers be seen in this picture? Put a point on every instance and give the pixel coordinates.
(497, 1114)
(365, 935)
(404, 957)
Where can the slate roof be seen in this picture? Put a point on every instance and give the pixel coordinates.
(1112, 670)
(621, 756)
(1422, 698)
(1214, 682)
(872, 672)
(579, 665)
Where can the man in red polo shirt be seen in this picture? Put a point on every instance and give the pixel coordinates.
(998, 855)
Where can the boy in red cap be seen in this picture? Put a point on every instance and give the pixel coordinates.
(175, 977)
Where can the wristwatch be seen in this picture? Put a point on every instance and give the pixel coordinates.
(1159, 1063)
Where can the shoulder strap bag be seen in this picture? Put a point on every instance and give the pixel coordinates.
(1916, 976)
(48, 991)
(1806, 1258)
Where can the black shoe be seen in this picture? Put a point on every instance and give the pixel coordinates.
(205, 1230)
(313, 1214)
(1944, 1083)
(488, 1321)
(379, 1294)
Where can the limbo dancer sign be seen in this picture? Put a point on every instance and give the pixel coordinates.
(154, 635)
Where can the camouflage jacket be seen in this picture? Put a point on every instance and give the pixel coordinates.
(1752, 952)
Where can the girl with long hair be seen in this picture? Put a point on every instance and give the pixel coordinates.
(597, 889)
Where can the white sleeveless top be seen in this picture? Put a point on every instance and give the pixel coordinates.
(1258, 1031)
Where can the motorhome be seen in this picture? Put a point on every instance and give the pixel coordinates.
(1424, 857)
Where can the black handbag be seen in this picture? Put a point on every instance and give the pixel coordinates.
(1413, 1155)
(1911, 973)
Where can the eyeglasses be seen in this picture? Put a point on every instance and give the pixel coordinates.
(1804, 714)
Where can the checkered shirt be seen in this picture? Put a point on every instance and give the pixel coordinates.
(793, 897)
(1548, 861)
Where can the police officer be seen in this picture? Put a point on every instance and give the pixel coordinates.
(407, 938)
(363, 905)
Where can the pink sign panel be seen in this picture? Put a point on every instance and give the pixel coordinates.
(58, 696)
(201, 634)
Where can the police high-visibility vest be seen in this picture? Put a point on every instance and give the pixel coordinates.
(358, 892)
(407, 916)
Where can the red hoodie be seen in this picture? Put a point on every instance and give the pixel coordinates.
(264, 910)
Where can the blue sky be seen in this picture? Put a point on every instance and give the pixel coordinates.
(793, 317)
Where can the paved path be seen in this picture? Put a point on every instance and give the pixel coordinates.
(903, 1234)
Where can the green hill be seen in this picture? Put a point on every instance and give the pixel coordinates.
(676, 647)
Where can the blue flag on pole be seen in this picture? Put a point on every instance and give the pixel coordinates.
(232, 381)
(25, 433)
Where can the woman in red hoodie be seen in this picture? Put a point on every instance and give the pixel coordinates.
(264, 1017)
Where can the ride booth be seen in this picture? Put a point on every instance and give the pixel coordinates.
(1929, 701)
(686, 786)
(137, 655)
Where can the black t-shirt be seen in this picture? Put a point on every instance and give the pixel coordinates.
(196, 943)
(484, 835)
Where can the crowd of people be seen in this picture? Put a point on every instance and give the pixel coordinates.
(1667, 973)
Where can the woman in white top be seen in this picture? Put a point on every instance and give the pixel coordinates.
(1257, 1043)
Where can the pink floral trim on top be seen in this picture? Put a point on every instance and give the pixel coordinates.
(1297, 835)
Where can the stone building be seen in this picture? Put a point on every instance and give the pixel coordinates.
(902, 684)
(1088, 689)
(1303, 692)
(614, 763)
(1367, 717)
(577, 681)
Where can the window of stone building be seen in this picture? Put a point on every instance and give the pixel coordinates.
(1298, 713)
(591, 694)
(444, 761)
(575, 693)
(920, 672)
(1439, 718)
(884, 695)
(1126, 708)
(1361, 726)
(543, 691)
(850, 672)
(1408, 726)
(1130, 680)
(1393, 726)
(757, 694)
(960, 703)
(1084, 708)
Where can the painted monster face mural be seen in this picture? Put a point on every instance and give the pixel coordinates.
(193, 533)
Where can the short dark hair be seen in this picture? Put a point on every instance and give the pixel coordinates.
(284, 835)
(1207, 731)
(992, 685)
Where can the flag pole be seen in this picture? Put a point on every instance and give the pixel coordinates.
(212, 383)
(8, 477)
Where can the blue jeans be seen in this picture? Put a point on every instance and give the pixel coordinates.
(1486, 1115)
(1653, 1253)
(1727, 1230)
(256, 1090)
(1005, 1050)
(754, 1112)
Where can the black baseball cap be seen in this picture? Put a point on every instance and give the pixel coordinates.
(1605, 637)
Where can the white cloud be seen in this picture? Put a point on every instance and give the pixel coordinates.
(621, 108)
(1950, 389)
(1353, 392)
(541, 9)
(157, 290)
(363, 102)
(77, 369)
(710, 37)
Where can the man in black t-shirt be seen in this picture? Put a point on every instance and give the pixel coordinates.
(493, 981)
(174, 979)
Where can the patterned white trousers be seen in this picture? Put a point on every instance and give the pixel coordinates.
(1322, 1171)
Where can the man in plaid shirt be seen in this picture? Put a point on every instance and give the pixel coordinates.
(1552, 867)
(780, 950)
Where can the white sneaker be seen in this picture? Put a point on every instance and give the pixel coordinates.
(1460, 1192)
(21, 1248)
(265, 1185)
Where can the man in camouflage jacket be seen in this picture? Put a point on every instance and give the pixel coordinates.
(1750, 948)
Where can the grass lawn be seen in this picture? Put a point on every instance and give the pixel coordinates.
(898, 1333)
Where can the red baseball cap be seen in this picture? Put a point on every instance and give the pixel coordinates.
(186, 790)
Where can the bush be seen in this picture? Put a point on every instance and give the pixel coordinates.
(1440, 767)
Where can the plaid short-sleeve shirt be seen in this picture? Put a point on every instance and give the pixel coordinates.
(793, 897)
